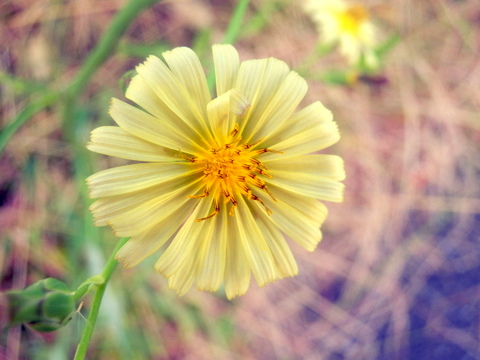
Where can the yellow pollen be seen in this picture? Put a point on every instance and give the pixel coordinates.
(231, 170)
(351, 19)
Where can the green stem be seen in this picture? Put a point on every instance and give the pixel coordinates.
(236, 22)
(97, 300)
(106, 45)
(109, 41)
(231, 33)
(97, 57)
(20, 85)
(9, 130)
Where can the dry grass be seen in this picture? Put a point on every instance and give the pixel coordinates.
(397, 274)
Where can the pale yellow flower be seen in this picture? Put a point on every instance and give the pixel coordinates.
(220, 182)
(347, 25)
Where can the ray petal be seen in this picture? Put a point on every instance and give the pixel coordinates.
(323, 165)
(139, 91)
(280, 107)
(237, 269)
(109, 207)
(256, 248)
(182, 280)
(168, 88)
(141, 246)
(148, 214)
(314, 120)
(311, 185)
(294, 224)
(114, 141)
(223, 112)
(258, 81)
(314, 211)
(285, 264)
(184, 64)
(212, 252)
(310, 140)
(149, 128)
(183, 243)
(226, 63)
(130, 178)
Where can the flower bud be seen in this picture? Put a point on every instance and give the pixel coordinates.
(46, 305)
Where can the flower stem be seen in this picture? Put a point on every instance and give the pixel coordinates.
(106, 45)
(10, 129)
(97, 300)
(236, 22)
(231, 33)
(97, 57)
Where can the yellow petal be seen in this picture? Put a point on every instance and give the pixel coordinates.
(139, 92)
(200, 263)
(223, 112)
(314, 211)
(226, 63)
(168, 88)
(294, 223)
(313, 186)
(182, 280)
(212, 252)
(309, 130)
(237, 269)
(280, 106)
(148, 214)
(130, 178)
(311, 140)
(258, 80)
(323, 165)
(149, 128)
(306, 118)
(114, 141)
(183, 243)
(285, 264)
(109, 207)
(145, 244)
(184, 64)
(256, 248)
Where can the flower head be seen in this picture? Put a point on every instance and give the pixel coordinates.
(220, 181)
(347, 25)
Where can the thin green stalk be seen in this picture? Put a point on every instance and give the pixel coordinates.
(108, 42)
(97, 300)
(97, 57)
(20, 85)
(106, 45)
(232, 32)
(10, 129)
(236, 22)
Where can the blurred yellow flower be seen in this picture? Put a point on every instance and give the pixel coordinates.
(220, 181)
(347, 25)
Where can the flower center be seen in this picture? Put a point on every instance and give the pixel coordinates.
(232, 170)
(351, 19)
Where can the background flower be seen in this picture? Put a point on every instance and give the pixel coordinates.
(346, 25)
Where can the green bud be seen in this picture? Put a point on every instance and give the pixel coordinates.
(46, 305)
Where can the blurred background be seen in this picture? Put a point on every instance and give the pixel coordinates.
(397, 275)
